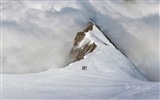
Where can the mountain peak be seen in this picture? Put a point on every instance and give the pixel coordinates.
(83, 43)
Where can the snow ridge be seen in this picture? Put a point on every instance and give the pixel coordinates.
(109, 75)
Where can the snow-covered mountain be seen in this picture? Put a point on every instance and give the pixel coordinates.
(37, 37)
(32, 30)
(109, 75)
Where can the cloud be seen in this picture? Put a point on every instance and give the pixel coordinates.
(34, 39)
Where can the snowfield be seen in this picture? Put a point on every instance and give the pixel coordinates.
(118, 79)
(111, 76)
(37, 37)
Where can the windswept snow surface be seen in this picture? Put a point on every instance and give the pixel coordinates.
(38, 36)
(112, 76)
(109, 75)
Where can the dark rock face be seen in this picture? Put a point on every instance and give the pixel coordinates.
(79, 37)
(87, 49)
(89, 27)
(80, 52)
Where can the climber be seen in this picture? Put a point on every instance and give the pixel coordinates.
(84, 67)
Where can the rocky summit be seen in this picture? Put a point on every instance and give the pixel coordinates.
(83, 43)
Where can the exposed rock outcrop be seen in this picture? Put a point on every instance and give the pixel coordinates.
(83, 43)
(79, 37)
(89, 27)
(87, 49)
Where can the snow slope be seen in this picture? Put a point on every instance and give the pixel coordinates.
(109, 75)
(37, 37)
(32, 29)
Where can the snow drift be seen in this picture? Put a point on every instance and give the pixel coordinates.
(36, 34)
